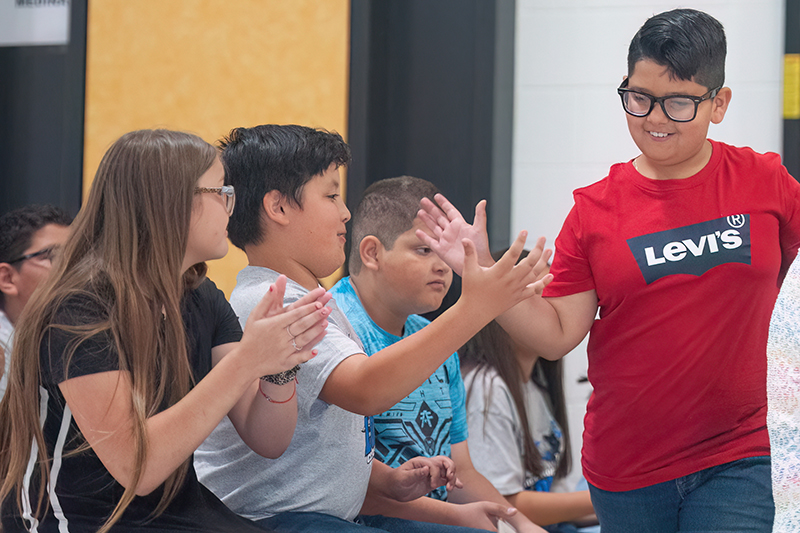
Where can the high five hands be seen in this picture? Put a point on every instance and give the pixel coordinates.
(455, 241)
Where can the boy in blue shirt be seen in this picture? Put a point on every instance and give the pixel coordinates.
(394, 277)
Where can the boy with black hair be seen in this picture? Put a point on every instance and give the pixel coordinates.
(29, 239)
(683, 250)
(395, 277)
(290, 219)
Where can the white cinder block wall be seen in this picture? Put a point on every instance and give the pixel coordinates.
(569, 126)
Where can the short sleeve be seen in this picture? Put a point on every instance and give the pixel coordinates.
(458, 428)
(227, 323)
(571, 271)
(209, 321)
(493, 442)
(91, 355)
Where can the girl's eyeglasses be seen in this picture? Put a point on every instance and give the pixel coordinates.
(227, 193)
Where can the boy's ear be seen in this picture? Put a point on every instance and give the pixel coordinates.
(720, 105)
(369, 249)
(274, 205)
(7, 283)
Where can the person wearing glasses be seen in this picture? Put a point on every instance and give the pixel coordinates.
(682, 250)
(129, 356)
(30, 237)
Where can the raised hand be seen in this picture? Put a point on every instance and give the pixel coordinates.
(277, 338)
(495, 289)
(448, 229)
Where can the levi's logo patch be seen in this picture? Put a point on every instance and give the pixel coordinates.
(694, 249)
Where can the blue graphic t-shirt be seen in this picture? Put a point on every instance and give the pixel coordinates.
(426, 421)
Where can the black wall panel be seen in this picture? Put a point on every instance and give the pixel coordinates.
(431, 95)
(41, 120)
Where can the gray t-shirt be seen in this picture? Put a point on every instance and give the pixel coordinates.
(327, 466)
(496, 436)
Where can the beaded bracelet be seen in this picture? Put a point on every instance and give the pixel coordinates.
(281, 378)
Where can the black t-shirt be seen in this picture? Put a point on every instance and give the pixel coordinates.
(84, 492)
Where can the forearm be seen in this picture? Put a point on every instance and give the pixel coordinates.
(535, 325)
(102, 406)
(545, 508)
(422, 510)
(478, 488)
(380, 477)
(266, 416)
(551, 327)
(174, 434)
(371, 385)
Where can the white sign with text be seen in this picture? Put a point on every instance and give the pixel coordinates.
(34, 22)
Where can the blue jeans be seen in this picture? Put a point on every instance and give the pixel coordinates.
(323, 523)
(735, 496)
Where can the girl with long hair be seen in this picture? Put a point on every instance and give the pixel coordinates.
(518, 431)
(128, 357)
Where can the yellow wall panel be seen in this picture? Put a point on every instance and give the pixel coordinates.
(207, 66)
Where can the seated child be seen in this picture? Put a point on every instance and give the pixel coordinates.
(127, 357)
(394, 277)
(290, 219)
(519, 437)
(30, 237)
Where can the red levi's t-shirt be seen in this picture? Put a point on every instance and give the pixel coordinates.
(686, 273)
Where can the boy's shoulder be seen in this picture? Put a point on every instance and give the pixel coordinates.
(254, 276)
(745, 154)
(415, 323)
(348, 301)
(252, 282)
(725, 158)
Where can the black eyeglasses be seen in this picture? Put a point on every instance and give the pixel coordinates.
(679, 107)
(227, 193)
(48, 254)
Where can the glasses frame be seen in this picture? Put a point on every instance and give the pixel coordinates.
(622, 91)
(49, 252)
(226, 191)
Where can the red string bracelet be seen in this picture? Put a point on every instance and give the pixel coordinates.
(270, 400)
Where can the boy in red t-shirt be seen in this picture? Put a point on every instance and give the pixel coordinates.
(682, 250)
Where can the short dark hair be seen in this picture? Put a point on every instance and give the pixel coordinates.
(271, 157)
(386, 210)
(18, 226)
(690, 43)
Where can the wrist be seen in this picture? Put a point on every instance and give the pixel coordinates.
(272, 396)
(282, 378)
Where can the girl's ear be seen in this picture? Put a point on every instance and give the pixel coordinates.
(274, 204)
(720, 105)
(369, 249)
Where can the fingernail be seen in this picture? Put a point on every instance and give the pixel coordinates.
(317, 305)
(314, 352)
(270, 288)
